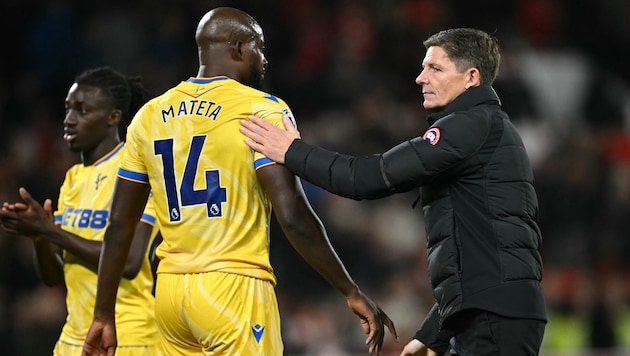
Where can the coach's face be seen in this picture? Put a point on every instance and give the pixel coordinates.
(441, 81)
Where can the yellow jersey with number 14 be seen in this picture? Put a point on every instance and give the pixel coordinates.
(213, 213)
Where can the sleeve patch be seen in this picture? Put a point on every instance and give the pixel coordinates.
(432, 136)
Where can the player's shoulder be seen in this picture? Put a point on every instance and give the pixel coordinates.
(269, 99)
(275, 99)
(77, 167)
(151, 103)
(174, 91)
(74, 171)
(259, 95)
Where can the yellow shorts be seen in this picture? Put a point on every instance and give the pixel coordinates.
(217, 313)
(63, 348)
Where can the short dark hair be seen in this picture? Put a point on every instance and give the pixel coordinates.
(470, 48)
(128, 94)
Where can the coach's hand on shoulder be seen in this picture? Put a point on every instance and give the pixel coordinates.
(267, 138)
(373, 321)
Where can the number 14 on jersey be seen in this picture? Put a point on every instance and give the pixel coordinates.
(212, 195)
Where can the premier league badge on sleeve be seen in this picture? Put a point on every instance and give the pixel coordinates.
(288, 113)
(432, 136)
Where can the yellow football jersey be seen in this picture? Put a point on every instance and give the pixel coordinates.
(213, 213)
(83, 209)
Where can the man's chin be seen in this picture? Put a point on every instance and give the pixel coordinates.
(432, 107)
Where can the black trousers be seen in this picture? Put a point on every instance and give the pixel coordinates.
(481, 333)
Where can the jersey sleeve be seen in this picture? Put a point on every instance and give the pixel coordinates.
(132, 166)
(410, 164)
(271, 109)
(354, 177)
(148, 216)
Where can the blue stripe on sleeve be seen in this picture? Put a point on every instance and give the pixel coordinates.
(262, 162)
(133, 176)
(148, 219)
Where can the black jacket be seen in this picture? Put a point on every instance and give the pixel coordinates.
(479, 202)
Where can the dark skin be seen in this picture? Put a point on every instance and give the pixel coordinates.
(90, 128)
(231, 44)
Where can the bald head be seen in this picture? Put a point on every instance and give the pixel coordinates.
(226, 25)
(230, 43)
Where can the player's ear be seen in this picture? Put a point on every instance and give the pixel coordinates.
(114, 117)
(236, 50)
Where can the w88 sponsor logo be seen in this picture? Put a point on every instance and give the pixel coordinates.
(95, 219)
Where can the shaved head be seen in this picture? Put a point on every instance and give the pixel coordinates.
(226, 25)
(230, 43)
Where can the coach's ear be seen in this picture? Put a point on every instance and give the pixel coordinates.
(473, 78)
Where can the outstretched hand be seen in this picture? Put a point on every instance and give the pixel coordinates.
(373, 321)
(27, 218)
(267, 138)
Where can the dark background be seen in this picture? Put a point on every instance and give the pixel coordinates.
(347, 69)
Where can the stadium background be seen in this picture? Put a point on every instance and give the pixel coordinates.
(347, 69)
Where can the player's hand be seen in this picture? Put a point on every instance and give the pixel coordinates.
(100, 339)
(373, 321)
(417, 348)
(28, 218)
(267, 138)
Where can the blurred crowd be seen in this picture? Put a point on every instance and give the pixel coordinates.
(347, 70)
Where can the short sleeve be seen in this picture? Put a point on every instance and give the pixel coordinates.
(133, 158)
(271, 109)
(148, 216)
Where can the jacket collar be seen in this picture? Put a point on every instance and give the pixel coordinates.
(483, 94)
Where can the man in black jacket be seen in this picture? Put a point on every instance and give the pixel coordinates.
(477, 192)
